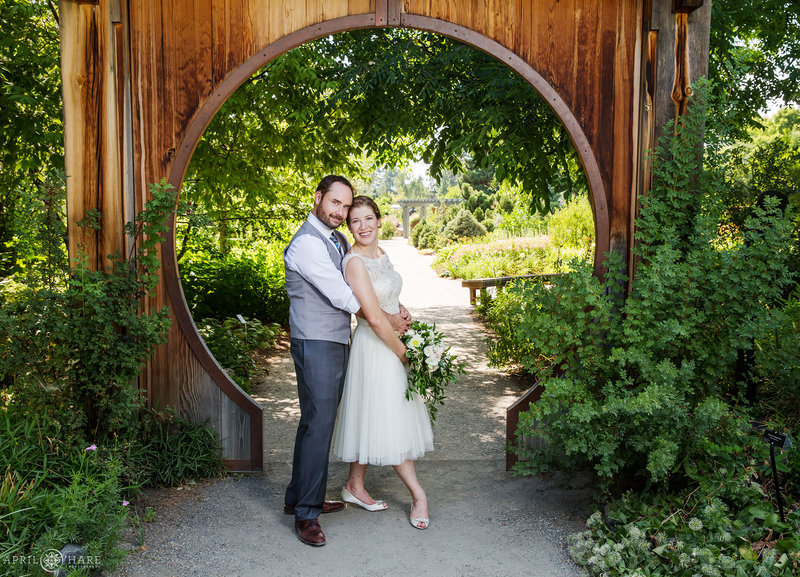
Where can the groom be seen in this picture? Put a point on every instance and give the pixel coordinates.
(319, 318)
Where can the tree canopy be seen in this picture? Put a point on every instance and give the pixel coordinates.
(359, 100)
(31, 132)
(368, 98)
(754, 59)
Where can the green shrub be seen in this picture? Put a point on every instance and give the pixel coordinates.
(387, 229)
(232, 344)
(637, 389)
(249, 282)
(722, 523)
(429, 239)
(73, 345)
(54, 492)
(168, 451)
(464, 225)
(415, 232)
(426, 235)
(501, 257)
(515, 218)
(572, 226)
(777, 363)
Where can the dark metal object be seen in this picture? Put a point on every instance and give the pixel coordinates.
(686, 6)
(776, 439)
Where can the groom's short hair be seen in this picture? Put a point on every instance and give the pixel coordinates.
(325, 184)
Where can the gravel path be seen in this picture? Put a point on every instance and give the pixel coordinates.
(484, 521)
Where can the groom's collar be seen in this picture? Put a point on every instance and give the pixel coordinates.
(319, 225)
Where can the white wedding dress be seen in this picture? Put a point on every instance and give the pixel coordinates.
(376, 425)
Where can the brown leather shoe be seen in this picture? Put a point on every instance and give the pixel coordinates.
(327, 507)
(309, 532)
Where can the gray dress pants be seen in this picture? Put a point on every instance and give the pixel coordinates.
(320, 367)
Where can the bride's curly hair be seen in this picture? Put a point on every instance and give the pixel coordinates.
(362, 200)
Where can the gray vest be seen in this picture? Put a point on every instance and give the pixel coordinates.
(311, 314)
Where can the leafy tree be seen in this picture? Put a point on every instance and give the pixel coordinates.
(769, 160)
(269, 143)
(385, 97)
(71, 345)
(462, 104)
(31, 134)
(754, 58)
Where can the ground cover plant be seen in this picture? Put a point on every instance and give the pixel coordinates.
(233, 343)
(644, 390)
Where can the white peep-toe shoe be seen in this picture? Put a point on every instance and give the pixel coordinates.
(378, 505)
(419, 522)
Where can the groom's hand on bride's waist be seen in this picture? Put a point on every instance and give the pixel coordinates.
(399, 322)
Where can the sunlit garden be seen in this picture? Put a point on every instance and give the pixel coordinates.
(672, 379)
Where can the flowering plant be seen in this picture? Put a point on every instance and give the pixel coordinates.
(430, 366)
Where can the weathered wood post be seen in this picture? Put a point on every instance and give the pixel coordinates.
(675, 54)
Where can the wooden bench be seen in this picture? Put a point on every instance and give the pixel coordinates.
(480, 284)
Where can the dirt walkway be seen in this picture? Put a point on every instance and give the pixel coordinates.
(484, 521)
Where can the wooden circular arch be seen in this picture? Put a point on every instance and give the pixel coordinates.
(253, 64)
(142, 80)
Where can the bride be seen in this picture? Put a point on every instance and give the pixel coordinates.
(376, 424)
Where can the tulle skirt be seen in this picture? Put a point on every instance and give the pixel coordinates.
(376, 424)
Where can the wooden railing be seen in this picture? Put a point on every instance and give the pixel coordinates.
(512, 419)
(533, 394)
(480, 284)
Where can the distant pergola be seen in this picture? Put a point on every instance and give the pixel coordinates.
(422, 204)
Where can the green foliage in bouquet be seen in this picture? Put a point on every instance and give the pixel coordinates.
(431, 366)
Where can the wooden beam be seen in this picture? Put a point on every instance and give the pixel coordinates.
(394, 12)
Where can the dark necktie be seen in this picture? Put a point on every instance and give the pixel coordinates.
(336, 242)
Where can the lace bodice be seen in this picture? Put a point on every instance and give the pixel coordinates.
(386, 281)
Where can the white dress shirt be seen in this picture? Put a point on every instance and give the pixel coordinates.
(309, 257)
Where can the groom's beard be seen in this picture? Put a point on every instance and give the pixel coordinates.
(332, 221)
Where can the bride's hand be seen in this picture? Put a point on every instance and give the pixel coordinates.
(399, 324)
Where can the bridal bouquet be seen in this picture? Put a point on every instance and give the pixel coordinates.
(431, 366)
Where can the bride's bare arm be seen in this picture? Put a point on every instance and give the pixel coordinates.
(360, 283)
